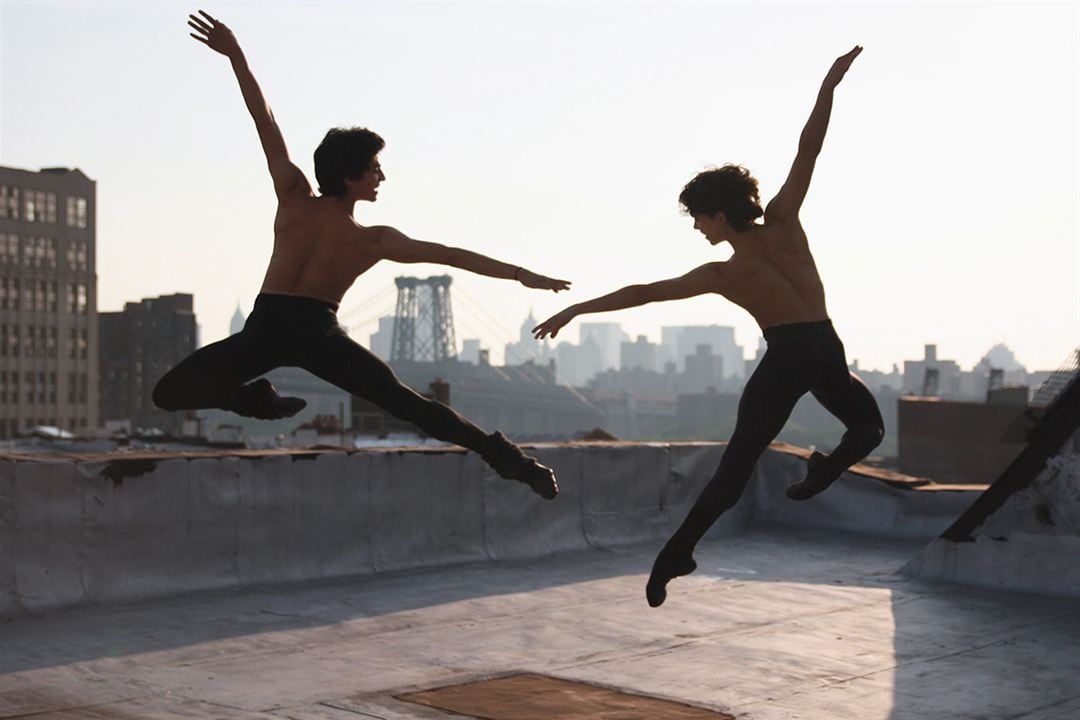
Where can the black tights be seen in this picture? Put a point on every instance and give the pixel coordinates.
(286, 330)
(801, 358)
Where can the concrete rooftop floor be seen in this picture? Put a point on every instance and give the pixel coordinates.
(776, 623)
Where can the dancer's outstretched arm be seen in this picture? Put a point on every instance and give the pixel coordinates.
(786, 204)
(288, 178)
(395, 245)
(708, 278)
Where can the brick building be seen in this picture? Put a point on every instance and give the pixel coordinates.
(48, 301)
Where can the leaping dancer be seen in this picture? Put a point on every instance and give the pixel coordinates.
(319, 251)
(772, 275)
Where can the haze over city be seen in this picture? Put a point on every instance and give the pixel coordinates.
(944, 207)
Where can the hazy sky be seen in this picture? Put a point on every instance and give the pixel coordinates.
(944, 207)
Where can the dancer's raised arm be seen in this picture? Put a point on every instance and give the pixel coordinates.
(701, 280)
(395, 245)
(288, 178)
(786, 204)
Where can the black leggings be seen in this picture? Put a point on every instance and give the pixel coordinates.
(801, 358)
(287, 330)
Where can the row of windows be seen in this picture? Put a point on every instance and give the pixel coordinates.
(41, 342)
(40, 387)
(41, 296)
(41, 252)
(40, 206)
(10, 428)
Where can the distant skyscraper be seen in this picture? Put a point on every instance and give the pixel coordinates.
(382, 340)
(470, 351)
(527, 347)
(639, 354)
(704, 371)
(577, 364)
(48, 300)
(682, 340)
(138, 346)
(237, 322)
(608, 338)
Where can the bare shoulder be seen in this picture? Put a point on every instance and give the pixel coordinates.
(709, 277)
(781, 234)
(382, 234)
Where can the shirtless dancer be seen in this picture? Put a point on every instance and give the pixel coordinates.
(772, 275)
(319, 250)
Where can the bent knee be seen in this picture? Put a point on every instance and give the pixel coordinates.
(870, 435)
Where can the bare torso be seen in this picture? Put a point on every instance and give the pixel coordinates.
(772, 276)
(319, 251)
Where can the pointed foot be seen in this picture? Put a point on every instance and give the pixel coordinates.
(668, 566)
(260, 399)
(510, 462)
(818, 478)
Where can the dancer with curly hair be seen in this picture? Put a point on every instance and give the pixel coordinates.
(773, 276)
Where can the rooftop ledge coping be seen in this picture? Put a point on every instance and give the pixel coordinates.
(890, 477)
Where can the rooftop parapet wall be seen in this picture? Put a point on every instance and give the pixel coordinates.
(1024, 533)
(108, 528)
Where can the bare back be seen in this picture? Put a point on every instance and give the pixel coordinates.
(318, 250)
(773, 276)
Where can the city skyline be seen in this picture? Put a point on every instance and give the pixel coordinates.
(995, 349)
(923, 217)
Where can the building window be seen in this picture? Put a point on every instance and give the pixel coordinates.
(29, 387)
(82, 389)
(52, 392)
(13, 294)
(13, 340)
(74, 348)
(81, 299)
(9, 202)
(76, 256)
(84, 342)
(42, 390)
(76, 211)
(51, 296)
(31, 346)
(9, 249)
(3, 386)
(40, 291)
(72, 383)
(39, 206)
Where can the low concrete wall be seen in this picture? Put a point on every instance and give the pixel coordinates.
(1031, 542)
(113, 528)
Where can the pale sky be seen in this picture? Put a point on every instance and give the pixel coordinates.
(944, 208)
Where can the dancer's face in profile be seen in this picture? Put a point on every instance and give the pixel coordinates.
(366, 187)
(713, 227)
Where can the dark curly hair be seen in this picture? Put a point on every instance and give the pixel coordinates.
(344, 153)
(731, 190)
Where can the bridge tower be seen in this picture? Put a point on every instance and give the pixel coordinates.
(423, 320)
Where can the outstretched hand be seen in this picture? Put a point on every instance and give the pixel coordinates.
(541, 282)
(555, 323)
(214, 34)
(840, 67)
